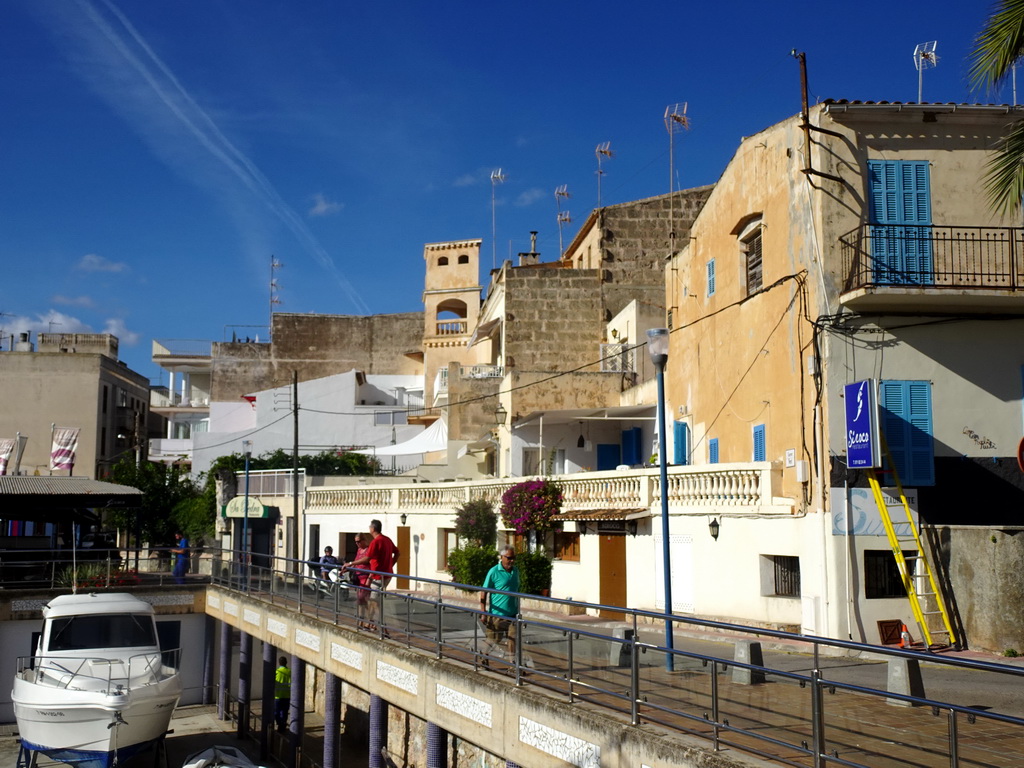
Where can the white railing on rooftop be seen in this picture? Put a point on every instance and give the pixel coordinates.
(711, 485)
(270, 482)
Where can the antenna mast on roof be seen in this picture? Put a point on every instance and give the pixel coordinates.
(924, 57)
(497, 177)
(563, 216)
(675, 121)
(604, 149)
(274, 287)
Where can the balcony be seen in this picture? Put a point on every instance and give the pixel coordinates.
(160, 402)
(450, 327)
(973, 270)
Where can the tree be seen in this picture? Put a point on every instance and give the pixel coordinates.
(477, 523)
(999, 44)
(163, 489)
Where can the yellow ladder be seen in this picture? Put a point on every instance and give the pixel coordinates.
(928, 604)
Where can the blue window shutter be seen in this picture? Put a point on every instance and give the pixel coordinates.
(899, 195)
(631, 446)
(713, 450)
(759, 447)
(711, 278)
(680, 443)
(907, 425)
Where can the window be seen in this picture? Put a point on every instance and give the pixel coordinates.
(711, 278)
(713, 450)
(900, 213)
(881, 574)
(449, 541)
(759, 446)
(463, 259)
(680, 443)
(752, 249)
(106, 395)
(389, 418)
(443, 261)
(907, 423)
(567, 546)
(781, 576)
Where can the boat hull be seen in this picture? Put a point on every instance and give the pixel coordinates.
(93, 729)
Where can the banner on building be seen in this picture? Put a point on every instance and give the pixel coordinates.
(6, 449)
(65, 444)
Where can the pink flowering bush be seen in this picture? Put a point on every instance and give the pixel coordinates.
(477, 523)
(530, 506)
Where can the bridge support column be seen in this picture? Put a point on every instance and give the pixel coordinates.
(332, 719)
(267, 697)
(225, 670)
(378, 729)
(437, 746)
(210, 633)
(244, 682)
(296, 711)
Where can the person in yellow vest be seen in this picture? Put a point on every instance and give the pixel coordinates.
(282, 694)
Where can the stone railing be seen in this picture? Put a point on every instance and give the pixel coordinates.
(709, 485)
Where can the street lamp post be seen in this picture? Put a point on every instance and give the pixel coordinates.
(500, 414)
(657, 348)
(247, 450)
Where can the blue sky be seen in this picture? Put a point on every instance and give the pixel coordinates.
(154, 155)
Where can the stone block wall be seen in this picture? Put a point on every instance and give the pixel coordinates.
(317, 346)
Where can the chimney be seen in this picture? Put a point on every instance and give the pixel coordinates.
(532, 257)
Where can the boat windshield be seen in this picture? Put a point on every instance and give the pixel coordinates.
(119, 630)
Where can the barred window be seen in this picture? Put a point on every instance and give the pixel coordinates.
(785, 576)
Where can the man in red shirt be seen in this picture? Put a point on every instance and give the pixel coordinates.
(381, 555)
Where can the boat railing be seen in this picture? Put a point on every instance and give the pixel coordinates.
(95, 673)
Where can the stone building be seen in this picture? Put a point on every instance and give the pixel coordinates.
(74, 380)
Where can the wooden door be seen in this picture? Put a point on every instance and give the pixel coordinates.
(612, 560)
(404, 545)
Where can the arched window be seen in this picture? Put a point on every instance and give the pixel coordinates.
(443, 261)
(463, 259)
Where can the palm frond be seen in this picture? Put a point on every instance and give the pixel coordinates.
(1004, 172)
(998, 45)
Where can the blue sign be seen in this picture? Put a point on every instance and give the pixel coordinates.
(862, 445)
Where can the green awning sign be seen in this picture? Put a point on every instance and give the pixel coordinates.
(236, 508)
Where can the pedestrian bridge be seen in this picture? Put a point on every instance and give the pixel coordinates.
(583, 692)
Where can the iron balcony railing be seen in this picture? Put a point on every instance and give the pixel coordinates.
(933, 256)
(820, 703)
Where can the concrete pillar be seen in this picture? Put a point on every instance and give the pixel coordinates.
(904, 677)
(748, 652)
(267, 697)
(437, 746)
(225, 671)
(244, 682)
(378, 729)
(296, 711)
(332, 719)
(208, 644)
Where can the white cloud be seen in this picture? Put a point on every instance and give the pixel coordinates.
(467, 180)
(116, 327)
(85, 302)
(530, 196)
(92, 262)
(324, 207)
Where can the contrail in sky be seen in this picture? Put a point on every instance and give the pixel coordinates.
(129, 75)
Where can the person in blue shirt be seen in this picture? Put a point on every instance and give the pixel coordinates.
(504, 605)
(180, 552)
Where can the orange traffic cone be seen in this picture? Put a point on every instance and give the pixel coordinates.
(905, 639)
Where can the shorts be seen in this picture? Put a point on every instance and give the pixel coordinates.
(497, 627)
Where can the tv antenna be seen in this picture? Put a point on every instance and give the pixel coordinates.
(563, 216)
(604, 149)
(497, 177)
(275, 299)
(924, 57)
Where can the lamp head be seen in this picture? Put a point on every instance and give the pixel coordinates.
(247, 447)
(657, 346)
(714, 527)
(500, 414)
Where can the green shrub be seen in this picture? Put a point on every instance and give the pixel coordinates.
(469, 565)
(534, 572)
(1011, 653)
(476, 522)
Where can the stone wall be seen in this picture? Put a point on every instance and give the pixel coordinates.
(636, 242)
(472, 403)
(317, 346)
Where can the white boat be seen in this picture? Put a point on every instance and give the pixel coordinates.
(219, 757)
(98, 689)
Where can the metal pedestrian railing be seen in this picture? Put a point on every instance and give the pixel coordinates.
(826, 705)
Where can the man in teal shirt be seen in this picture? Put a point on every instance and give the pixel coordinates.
(500, 621)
